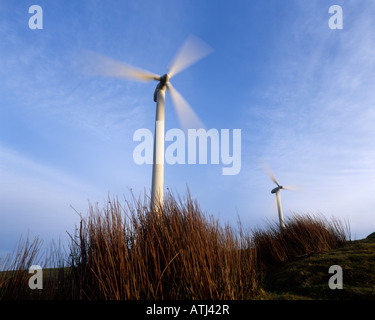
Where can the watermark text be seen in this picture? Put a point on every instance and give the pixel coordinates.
(223, 149)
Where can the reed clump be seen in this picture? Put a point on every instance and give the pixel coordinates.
(302, 236)
(176, 252)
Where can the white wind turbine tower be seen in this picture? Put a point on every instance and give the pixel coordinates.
(278, 197)
(192, 50)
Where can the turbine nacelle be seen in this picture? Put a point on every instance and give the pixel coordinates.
(163, 82)
(276, 189)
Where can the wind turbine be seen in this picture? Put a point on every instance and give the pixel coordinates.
(191, 51)
(278, 197)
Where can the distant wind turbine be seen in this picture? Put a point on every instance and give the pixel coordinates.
(192, 50)
(278, 197)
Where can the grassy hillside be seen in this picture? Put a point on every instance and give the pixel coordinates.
(307, 278)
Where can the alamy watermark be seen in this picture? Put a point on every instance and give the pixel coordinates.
(36, 280)
(36, 20)
(222, 149)
(336, 21)
(335, 281)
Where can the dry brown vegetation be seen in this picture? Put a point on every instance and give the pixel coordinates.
(173, 253)
(302, 236)
(178, 252)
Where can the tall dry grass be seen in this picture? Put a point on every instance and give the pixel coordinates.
(14, 282)
(133, 251)
(303, 235)
(14, 272)
(172, 253)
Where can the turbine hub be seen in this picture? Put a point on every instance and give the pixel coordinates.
(164, 79)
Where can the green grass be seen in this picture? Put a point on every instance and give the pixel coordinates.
(308, 278)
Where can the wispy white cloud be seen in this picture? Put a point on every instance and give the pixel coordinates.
(317, 114)
(38, 199)
(37, 76)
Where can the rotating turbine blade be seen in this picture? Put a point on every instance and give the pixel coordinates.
(291, 188)
(91, 63)
(186, 115)
(192, 50)
(270, 174)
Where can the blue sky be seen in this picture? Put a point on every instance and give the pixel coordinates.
(301, 93)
